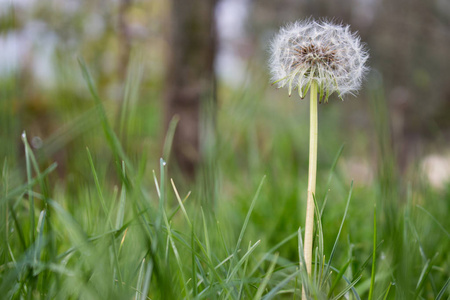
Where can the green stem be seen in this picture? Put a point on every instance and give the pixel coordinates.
(309, 223)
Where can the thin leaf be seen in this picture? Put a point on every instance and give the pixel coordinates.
(241, 261)
(338, 235)
(273, 292)
(372, 276)
(387, 292)
(266, 279)
(338, 277)
(434, 219)
(249, 213)
(442, 291)
(140, 280)
(347, 288)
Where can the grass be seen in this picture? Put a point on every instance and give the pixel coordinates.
(119, 223)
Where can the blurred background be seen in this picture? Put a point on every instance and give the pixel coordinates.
(192, 58)
(202, 65)
(204, 62)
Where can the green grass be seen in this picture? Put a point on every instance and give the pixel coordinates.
(109, 222)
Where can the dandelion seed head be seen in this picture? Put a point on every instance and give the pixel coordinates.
(319, 51)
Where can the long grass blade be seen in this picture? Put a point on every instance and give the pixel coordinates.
(249, 213)
(147, 280)
(273, 292)
(266, 279)
(169, 138)
(180, 203)
(272, 250)
(347, 288)
(140, 280)
(424, 274)
(338, 235)
(338, 277)
(242, 260)
(30, 191)
(99, 189)
(374, 252)
(122, 200)
(434, 220)
(243, 280)
(443, 290)
(110, 135)
(387, 291)
(330, 177)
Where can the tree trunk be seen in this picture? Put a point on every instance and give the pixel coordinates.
(190, 76)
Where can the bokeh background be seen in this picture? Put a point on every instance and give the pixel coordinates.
(205, 62)
(177, 55)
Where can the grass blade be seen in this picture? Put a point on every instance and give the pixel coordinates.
(338, 235)
(387, 291)
(99, 189)
(442, 291)
(147, 281)
(30, 190)
(273, 249)
(139, 281)
(247, 218)
(338, 277)
(122, 200)
(273, 292)
(347, 288)
(372, 276)
(111, 137)
(180, 203)
(241, 287)
(241, 261)
(266, 279)
(169, 137)
(435, 220)
(424, 274)
(327, 186)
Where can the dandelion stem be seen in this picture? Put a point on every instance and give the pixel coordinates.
(309, 223)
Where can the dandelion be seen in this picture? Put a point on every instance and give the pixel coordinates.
(324, 58)
(322, 52)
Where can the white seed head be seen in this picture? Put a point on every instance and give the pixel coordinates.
(320, 51)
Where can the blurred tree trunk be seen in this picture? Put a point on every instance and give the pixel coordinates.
(190, 76)
(124, 38)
